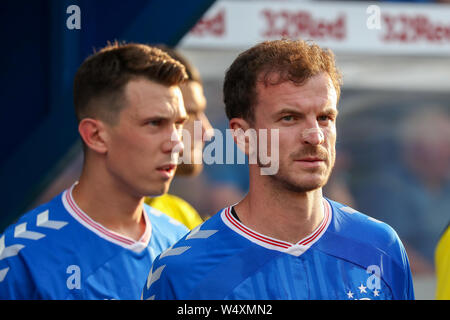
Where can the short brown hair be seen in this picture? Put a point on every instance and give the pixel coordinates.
(101, 78)
(292, 60)
(191, 71)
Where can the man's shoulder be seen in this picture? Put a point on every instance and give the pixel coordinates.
(188, 260)
(163, 224)
(198, 242)
(371, 244)
(359, 226)
(43, 223)
(26, 244)
(358, 230)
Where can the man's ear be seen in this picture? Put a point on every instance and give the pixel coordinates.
(243, 134)
(94, 135)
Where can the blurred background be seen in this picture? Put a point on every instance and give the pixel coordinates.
(393, 150)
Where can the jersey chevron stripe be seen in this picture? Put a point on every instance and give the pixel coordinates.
(72, 258)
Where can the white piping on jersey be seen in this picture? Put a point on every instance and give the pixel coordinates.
(3, 273)
(174, 251)
(9, 251)
(274, 244)
(194, 234)
(374, 220)
(103, 232)
(348, 210)
(21, 232)
(352, 211)
(42, 220)
(154, 276)
(158, 213)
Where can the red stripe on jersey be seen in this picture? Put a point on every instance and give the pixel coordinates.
(321, 227)
(285, 245)
(250, 233)
(92, 223)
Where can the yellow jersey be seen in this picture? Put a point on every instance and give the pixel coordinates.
(176, 208)
(442, 259)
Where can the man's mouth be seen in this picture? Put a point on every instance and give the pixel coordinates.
(310, 159)
(167, 170)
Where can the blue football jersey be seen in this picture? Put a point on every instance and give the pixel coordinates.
(56, 251)
(349, 256)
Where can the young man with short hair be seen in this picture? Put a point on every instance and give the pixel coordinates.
(195, 104)
(97, 239)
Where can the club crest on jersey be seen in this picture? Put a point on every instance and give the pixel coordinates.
(363, 293)
(372, 289)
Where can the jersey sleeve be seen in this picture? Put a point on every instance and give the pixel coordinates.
(401, 278)
(408, 292)
(379, 245)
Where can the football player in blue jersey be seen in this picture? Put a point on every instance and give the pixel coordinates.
(97, 239)
(284, 239)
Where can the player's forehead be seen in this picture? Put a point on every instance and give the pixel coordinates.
(147, 98)
(317, 92)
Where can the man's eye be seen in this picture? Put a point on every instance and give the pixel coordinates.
(324, 118)
(287, 118)
(155, 122)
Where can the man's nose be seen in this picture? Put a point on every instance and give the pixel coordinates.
(313, 136)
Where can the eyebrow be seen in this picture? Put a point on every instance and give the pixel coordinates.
(331, 111)
(327, 111)
(165, 117)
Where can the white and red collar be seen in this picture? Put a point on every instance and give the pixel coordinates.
(103, 232)
(271, 243)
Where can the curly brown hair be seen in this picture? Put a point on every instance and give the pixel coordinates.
(292, 60)
(102, 77)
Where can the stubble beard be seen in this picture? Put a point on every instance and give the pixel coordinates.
(302, 182)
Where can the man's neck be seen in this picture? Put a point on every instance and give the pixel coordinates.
(286, 215)
(109, 206)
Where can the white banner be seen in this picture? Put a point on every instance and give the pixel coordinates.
(349, 27)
